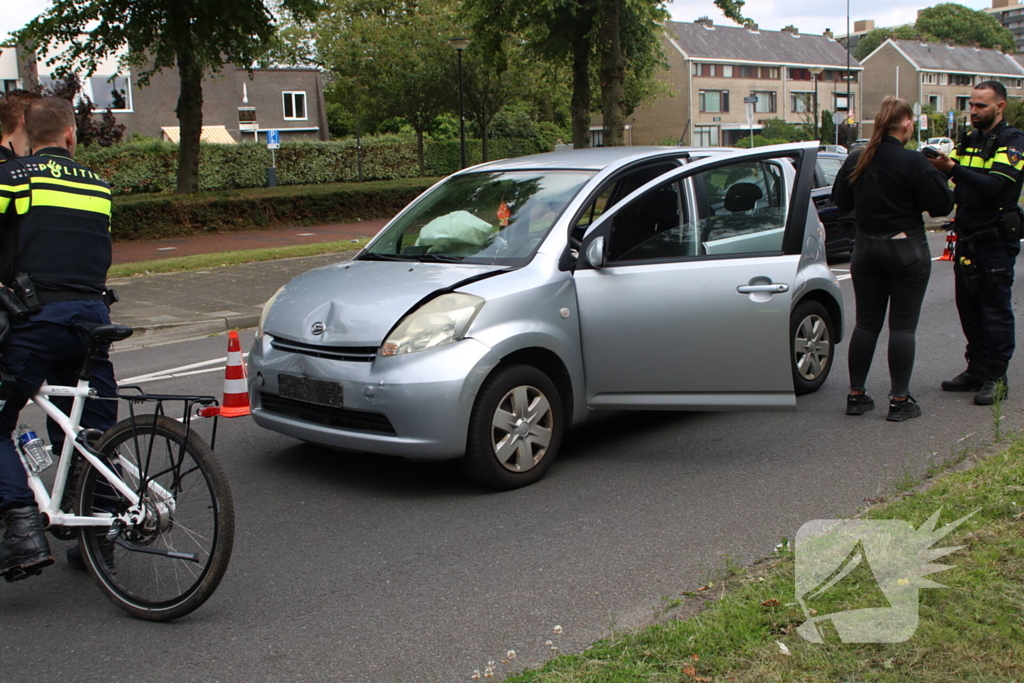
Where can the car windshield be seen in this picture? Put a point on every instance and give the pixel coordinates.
(496, 217)
(934, 141)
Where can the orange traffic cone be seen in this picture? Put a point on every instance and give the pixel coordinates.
(947, 253)
(236, 390)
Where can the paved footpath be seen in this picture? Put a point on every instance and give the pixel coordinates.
(173, 306)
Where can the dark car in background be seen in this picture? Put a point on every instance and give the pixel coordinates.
(840, 226)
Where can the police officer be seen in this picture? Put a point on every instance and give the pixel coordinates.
(61, 211)
(986, 168)
(14, 142)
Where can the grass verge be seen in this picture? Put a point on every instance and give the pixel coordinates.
(231, 258)
(971, 630)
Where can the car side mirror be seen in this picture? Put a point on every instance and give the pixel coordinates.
(595, 253)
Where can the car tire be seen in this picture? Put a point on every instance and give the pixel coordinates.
(515, 428)
(811, 333)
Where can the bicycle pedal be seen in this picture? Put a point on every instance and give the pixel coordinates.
(23, 572)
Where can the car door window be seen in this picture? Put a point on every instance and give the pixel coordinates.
(654, 226)
(743, 208)
(829, 169)
(615, 190)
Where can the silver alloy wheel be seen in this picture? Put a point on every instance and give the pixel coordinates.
(521, 428)
(812, 347)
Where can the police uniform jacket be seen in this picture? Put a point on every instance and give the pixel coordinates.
(61, 211)
(988, 176)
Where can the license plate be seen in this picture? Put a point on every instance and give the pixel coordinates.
(310, 390)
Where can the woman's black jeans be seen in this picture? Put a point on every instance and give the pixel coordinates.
(890, 273)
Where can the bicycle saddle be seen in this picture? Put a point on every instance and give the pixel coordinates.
(107, 333)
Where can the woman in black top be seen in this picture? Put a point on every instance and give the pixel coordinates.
(889, 187)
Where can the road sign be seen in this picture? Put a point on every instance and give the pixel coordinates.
(917, 108)
(952, 116)
(750, 100)
(273, 139)
(923, 121)
(838, 117)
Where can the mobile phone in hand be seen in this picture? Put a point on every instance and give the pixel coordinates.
(930, 152)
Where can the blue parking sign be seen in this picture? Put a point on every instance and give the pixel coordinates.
(273, 139)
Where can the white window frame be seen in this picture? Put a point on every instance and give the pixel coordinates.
(284, 106)
(129, 102)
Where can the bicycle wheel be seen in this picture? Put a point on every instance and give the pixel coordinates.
(170, 563)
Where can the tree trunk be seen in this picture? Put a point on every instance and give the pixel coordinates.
(612, 74)
(485, 137)
(190, 120)
(580, 106)
(419, 152)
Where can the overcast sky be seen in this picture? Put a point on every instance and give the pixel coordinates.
(808, 16)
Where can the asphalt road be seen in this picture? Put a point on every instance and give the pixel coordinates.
(363, 568)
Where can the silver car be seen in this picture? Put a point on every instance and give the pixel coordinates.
(514, 298)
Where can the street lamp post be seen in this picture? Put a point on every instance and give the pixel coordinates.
(461, 44)
(816, 71)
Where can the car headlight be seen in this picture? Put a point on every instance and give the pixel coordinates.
(438, 322)
(266, 310)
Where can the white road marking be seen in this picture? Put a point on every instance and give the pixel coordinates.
(305, 234)
(166, 248)
(181, 371)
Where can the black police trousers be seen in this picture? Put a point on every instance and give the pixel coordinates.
(48, 348)
(987, 314)
(887, 273)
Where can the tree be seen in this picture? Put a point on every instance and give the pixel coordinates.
(827, 132)
(195, 36)
(964, 26)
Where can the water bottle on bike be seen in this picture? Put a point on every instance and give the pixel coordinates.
(33, 450)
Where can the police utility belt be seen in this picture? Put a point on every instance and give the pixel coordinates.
(1008, 227)
(22, 299)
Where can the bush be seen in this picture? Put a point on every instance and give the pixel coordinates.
(149, 217)
(150, 166)
(759, 141)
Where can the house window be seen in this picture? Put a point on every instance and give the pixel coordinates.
(705, 136)
(961, 79)
(295, 106)
(10, 85)
(799, 74)
(696, 68)
(801, 102)
(715, 101)
(745, 71)
(770, 72)
(765, 101)
(726, 71)
(935, 102)
(841, 101)
(929, 78)
(963, 102)
(111, 92)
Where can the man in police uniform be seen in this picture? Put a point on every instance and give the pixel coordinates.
(61, 211)
(14, 142)
(987, 169)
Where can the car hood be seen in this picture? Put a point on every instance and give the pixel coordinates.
(358, 302)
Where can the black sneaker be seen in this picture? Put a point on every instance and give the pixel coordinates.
(900, 411)
(858, 404)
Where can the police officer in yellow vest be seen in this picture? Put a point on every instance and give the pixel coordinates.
(61, 212)
(987, 169)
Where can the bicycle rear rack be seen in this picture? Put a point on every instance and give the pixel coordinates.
(191, 405)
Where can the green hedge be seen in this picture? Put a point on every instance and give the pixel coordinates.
(147, 217)
(150, 166)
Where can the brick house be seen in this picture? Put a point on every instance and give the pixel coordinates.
(235, 106)
(937, 75)
(712, 69)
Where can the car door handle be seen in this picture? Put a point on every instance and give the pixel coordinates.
(772, 288)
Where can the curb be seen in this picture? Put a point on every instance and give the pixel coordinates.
(151, 335)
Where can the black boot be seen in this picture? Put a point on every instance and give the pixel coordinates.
(24, 551)
(996, 387)
(971, 379)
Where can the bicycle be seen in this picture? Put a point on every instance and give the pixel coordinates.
(148, 499)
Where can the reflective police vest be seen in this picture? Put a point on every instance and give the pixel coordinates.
(997, 153)
(61, 210)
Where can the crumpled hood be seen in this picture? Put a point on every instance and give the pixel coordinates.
(358, 302)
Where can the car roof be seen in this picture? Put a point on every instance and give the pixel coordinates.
(595, 158)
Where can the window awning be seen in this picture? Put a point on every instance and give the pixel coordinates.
(215, 134)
